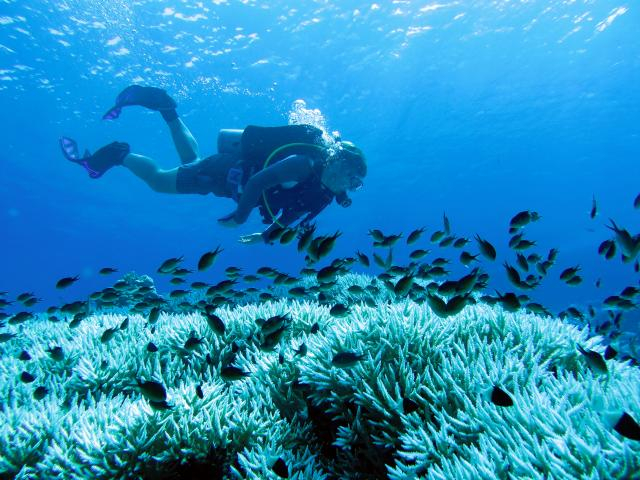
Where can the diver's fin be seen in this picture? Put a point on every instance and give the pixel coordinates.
(102, 160)
(69, 149)
(150, 97)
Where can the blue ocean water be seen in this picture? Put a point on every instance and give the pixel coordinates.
(474, 109)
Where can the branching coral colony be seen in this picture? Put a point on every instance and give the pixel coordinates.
(286, 389)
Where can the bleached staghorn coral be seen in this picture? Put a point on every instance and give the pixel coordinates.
(323, 421)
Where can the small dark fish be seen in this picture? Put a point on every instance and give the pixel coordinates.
(231, 373)
(409, 406)
(509, 301)
(151, 347)
(501, 398)
(301, 350)
(327, 274)
(314, 328)
(346, 359)
(438, 305)
(298, 292)
(466, 258)
(513, 275)
(376, 234)
(627, 427)
(288, 236)
(40, 392)
(124, 324)
(523, 218)
(575, 280)
(280, 468)
(306, 237)
(66, 281)
(629, 292)
(215, 323)
(339, 310)
(630, 245)
(192, 343)
(570, 272)
(153, 391)
(26, 377)
(606, 246)
(437, 236)
(6, 336)
(199, 392)
(108, 334)
(327, 244)
(177, 281)
(610, 352)
(21, 317)
(379, 261)
(272, 324)
(524, 244)
(181, 271)
(636, 202)
(447, 225)
(414, 236)
(272, 339)
(154, 314)
(159, 405)
(75, 322)
(418, 254)
(178, 293)
(56, 353)
(594, 208)
(446, 241)
(486, 248)
(364, 260)
(24, 356)
(460, 242)
(169, 265)
(594, 360)
(207, 259)
(107, 271)
(537, 308)
(30, 302)
(401, 289)
(522, 262)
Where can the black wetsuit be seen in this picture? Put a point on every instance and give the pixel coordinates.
(307, 197)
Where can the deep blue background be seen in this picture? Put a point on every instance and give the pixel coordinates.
(476, 109)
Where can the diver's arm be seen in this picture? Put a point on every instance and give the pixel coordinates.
(294, 168)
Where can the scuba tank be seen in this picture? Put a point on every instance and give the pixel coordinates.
(230, 141)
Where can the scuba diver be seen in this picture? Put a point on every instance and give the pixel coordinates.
(288, 169)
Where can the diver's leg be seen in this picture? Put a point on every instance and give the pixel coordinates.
(185, 144)
(163, 181)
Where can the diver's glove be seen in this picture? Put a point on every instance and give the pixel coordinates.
(250, 239)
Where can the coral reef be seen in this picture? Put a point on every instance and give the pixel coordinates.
(414, 403)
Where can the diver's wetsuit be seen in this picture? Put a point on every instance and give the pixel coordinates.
(307, 196)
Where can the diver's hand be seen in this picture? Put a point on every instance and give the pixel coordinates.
(228, 220)
(249, 239)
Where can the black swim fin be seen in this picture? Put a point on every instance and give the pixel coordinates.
(102, 160)
(150, 97)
